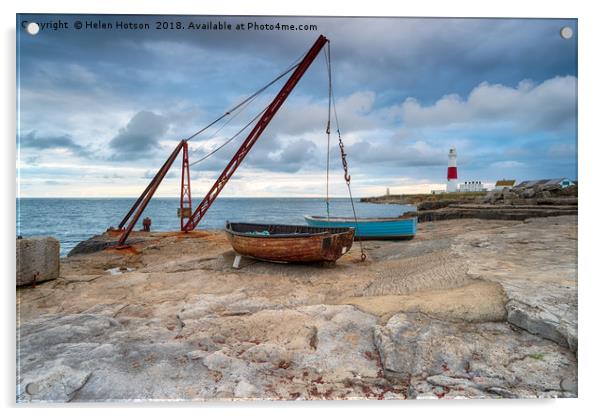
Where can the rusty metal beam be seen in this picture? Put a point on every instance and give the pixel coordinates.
(185, 195)
(141, 197)
(148, 193)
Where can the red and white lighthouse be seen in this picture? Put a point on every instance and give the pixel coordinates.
(452, 171)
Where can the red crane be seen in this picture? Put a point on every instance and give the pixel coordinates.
(235, 162)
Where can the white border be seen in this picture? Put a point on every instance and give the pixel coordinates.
(589, 176)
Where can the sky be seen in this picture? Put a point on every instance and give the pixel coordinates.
(99, 110)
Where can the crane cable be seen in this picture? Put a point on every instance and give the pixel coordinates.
(246, 100)
(240, 107)
(230, 139)
(331, 101)
(240, 110)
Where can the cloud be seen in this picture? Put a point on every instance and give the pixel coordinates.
(290, 157)
(562, 150)
(67, 75)
(527, 107)
(150, 174)
(418, 153)
(297, 154)
(375, 137)
(140, 137)
(32, 141)
(507, 164)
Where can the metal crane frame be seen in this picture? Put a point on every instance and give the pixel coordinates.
(185, 199)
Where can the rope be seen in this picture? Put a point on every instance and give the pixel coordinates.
(341, 146)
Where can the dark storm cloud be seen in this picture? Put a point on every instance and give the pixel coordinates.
(139, 137)
(396, 58)
(424, 58)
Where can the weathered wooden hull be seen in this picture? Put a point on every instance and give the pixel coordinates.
(289, 243)
(399, 228)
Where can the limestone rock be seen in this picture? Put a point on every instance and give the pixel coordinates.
(539, 320)
(100, 242)
(37, 260)
(87, 357)
(267, 353)
(245, 390)
(196, 355)
(472, 360)
(528, 193)
(56, 384)
(509, 196)
(310, 352)
(541, 300)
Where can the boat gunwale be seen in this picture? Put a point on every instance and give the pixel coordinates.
(327, 231)
(353, 220)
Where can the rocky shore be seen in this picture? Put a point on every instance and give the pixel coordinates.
(508, 204)
(468, 308)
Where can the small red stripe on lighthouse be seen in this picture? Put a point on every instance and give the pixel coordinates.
(452, 173)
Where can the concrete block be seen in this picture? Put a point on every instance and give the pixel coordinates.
(38, 260)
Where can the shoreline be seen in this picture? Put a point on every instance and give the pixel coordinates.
(74, 220)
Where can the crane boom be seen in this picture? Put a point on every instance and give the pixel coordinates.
(246, 146)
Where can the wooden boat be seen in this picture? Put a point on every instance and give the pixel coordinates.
(392, 228)
(289, 243)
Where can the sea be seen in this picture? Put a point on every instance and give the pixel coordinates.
(72, 220)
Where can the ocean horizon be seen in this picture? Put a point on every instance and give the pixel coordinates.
(75, 219)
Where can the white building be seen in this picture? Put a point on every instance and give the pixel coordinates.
(472, 186)
(504, 184)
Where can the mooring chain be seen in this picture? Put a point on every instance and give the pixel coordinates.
(344, 161)
(348, 181)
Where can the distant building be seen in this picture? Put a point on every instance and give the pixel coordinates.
(437, 191)
(471, 186)
(504, 184)
(388, 192)
(562, 182)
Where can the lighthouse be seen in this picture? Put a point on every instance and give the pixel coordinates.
(452, 171)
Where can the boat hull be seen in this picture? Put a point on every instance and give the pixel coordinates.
(289, 244)
(399, 228)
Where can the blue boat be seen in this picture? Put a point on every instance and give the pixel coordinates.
(395, 228)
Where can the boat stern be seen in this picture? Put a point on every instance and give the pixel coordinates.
(335, 245)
